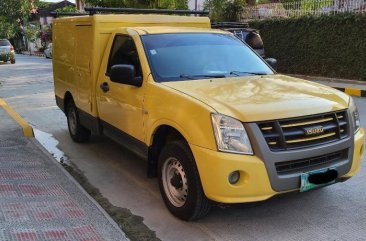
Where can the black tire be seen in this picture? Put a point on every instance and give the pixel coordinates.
(77, 132)
(176, 157)
(12, 61)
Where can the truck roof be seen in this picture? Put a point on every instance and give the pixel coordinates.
(132, 20)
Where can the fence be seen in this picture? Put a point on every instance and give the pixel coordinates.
(303, 7)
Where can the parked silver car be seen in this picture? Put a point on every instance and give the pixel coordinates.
(7, 52)
(48, 51)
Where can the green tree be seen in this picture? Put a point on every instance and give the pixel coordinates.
(31, 33)
(216, 8)
(233, 9)
(12, 12)
(7, 29)
(67, 9)
(41, 4)
(170, 4)
(224, 10)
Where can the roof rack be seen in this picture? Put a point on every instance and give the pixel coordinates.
(231, 25)
(57, 14)
(94, 10)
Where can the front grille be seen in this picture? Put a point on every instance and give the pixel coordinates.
(307, 164)
(307, 131)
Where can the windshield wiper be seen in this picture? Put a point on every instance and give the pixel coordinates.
(237, 73)
(187, 76)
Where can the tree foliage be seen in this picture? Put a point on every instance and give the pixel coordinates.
(67, 9)
(224, 10)
(170, 4)
(31, 33)
(233, 9)
(7, 29)
(41, 4)
(12, 12)
(329, 45)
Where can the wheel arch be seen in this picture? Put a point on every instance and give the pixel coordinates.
(162, 134)
(67, 98)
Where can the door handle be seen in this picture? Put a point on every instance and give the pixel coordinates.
(105, 87)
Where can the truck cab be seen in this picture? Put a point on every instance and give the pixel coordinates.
(214, 120)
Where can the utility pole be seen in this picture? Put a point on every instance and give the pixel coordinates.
(195, 5)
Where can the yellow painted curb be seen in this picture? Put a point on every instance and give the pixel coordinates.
(355, 92)
(27, 129)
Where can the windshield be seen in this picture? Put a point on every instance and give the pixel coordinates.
(4, 43)
(176, 57)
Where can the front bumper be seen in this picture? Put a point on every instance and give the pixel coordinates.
(358, 152)
(254, 185)
(7, 56)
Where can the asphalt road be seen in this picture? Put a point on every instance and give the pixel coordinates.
(336, 212)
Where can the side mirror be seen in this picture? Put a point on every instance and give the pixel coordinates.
(125, 74)
(272, 62)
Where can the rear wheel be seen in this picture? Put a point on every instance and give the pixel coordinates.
(77, 132)
(180, 184)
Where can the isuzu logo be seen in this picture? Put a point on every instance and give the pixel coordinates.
(315, 130)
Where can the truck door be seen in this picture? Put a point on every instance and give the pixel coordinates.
(83, 47)
(120, 106)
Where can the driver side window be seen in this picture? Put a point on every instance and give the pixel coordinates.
(124, 52)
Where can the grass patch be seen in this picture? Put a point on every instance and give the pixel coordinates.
(131, 224)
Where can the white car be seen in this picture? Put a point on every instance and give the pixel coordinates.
(48, 51)
(7, 52)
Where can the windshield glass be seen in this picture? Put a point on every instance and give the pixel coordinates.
(4, 43)
(186, 56)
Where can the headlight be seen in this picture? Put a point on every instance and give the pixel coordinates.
(354, 114)
(230, 135)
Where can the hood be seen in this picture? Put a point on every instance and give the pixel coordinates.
(259, 98)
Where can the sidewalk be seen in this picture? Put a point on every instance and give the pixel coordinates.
(39, 200)
(351, 87)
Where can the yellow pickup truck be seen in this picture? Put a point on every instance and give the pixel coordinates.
(214, 120)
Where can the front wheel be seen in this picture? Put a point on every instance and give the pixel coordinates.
(12, 61)
(77, 132)
(180, 184)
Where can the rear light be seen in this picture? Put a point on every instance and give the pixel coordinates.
(11, 48)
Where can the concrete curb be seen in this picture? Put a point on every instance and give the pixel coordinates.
(27, 129)
(352, 91)
(34, 54)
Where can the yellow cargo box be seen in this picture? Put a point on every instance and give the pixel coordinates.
(80, 42)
